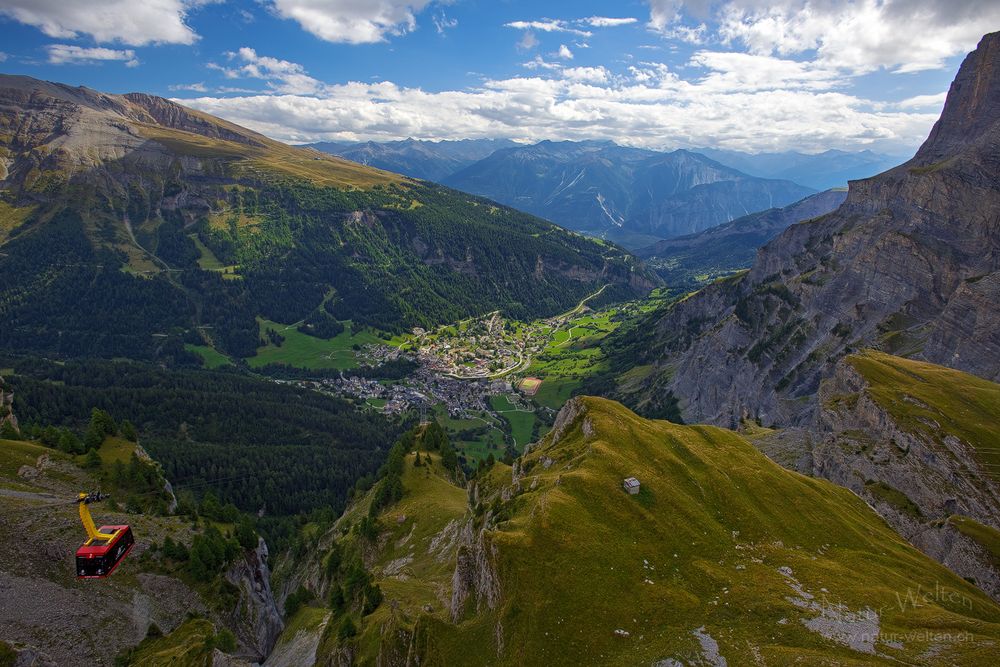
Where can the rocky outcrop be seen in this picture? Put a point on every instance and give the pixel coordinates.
(906, 264)
(475, 574)
(256, 617)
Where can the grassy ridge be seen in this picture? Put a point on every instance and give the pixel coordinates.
(936, 401)
(720, 543)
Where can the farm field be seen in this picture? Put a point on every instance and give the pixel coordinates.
(304, 351)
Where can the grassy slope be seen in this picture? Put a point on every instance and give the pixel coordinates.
(211, 357)
(305, 351)
(274, 158)
(701, 546)
(936, 401)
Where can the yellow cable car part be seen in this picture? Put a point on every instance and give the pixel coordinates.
(88, 522)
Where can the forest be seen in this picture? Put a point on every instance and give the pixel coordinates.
(257, 444)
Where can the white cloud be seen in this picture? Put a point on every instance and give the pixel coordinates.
(69, 54)
(540, 63)
(586, 74)
(923, 101)
(548, 25)
(134, 22)
(648, 106)
(3, 56)
(857, 35)
(442, 23)
(193, 87)
(746, 72)
(607, 22)
(564, 52)
(352, 21)
(282, 76)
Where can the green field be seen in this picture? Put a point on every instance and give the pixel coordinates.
(521, 421)
(572, 354)
(478, 448)
(304, 351)
(209, 262)
(210, 357)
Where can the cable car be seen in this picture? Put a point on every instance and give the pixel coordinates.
(104, 549)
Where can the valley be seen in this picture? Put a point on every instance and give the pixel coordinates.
(498, 401)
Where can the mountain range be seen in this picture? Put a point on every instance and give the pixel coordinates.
(822, 171)
(604, 189)
(628, 195)
(427, 160)
(689, 261)
(795, 463)
(908, 263)
(851, 331)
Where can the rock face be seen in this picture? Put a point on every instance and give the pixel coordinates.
(908, 264)
(256, 616)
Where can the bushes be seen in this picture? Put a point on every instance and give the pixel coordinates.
(297, 600)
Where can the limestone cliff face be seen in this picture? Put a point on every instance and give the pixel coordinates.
(256, 617)
(908, 264)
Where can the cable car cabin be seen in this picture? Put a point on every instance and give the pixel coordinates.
(105, 548)
(99, 557)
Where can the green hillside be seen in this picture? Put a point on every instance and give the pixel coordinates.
(157, 227)
(722, 553)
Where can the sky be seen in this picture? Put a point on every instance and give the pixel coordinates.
(750, 75)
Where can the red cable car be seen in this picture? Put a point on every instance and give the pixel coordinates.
(105, 548)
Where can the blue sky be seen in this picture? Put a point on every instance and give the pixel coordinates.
(753, 75)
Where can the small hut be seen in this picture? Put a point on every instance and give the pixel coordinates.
(631, 484)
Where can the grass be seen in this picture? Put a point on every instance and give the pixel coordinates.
(303, 351)
(186, 646)
(209, 262)
(986, 537)
(895, 498)
(937, 402)
(474, 449)
(555, 391)
(210, 357)
(17, 453)
(12, 217)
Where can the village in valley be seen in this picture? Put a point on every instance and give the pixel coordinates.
(493, 382)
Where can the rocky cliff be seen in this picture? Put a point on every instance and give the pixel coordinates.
(255, 617)
(907, 264)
